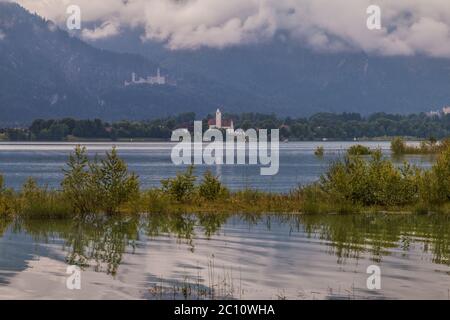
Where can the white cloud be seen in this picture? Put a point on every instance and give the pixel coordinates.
(107, 29)
(409, 26)
(2, 35)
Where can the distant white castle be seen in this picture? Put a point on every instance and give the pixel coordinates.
(445, 111)
(151, 80)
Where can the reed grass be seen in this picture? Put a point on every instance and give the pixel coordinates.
(430, 146)
(352, 184)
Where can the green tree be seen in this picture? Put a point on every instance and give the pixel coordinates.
(398, 146)
(79, 185)
(115, 185)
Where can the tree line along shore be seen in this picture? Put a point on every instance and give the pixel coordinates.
(343, 126)
(353, 183)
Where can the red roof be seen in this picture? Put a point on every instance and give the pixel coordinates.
(225, 123)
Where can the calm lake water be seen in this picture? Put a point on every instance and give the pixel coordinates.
(152, 162)
(179, 256)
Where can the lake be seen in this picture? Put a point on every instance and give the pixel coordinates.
(152, 162)
(179, 256)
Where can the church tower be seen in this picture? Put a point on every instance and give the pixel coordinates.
(218, 119)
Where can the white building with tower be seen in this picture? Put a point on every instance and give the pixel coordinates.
(439, 113)
(219, 123)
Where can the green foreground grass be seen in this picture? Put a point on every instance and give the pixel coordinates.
(352, 184)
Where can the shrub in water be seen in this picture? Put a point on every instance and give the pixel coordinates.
(114, 185)
(98, 186)
(211, 188)
(319, 151)
(359, 150)
(79, 184)
(435, 184)
(373, 182)
(398, 146)
(182, 187)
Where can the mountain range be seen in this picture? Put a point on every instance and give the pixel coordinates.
(46, 72)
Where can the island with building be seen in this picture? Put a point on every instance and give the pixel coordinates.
(219, 123)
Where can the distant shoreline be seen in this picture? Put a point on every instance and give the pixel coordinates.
(132, 140)
(319, 127)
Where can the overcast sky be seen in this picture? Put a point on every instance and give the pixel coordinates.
(409, 26)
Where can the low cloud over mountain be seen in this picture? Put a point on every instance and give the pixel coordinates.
(409, 26)
(50, 73)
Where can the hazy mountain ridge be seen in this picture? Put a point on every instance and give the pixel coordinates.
(46, 73)
(296, 81)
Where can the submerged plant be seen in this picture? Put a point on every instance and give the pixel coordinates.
(371, 182)
(319, 151)
(359, 150)
(398, 146)
(98, 186)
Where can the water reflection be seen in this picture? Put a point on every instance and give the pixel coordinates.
(4, 223)
(97, 240)
(101, 240)
(99, 243)
(350, 236)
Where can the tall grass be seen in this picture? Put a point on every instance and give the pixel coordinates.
(37, 202)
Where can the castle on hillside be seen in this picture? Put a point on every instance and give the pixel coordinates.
(219, 123)
(151, 80)
(445, 111)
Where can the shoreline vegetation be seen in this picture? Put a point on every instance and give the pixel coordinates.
(352, 184)
(429, 146)
(318, 127)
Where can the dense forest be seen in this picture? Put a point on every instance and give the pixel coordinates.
(344, 126)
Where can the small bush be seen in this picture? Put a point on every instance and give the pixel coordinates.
(182, 187)
(435, 183)
(373, 182)
(319, 151)
(99, 186)
(78, 184)
(359, 150)
(211, 188)
(398, 146)
(430, 146)
(114, 185)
